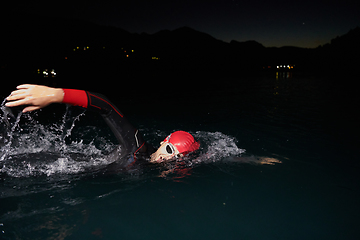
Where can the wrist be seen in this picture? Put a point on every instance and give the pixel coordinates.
(58, 95)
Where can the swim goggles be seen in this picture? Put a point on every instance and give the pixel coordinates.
(169, 148)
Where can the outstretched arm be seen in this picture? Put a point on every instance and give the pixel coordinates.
(35, 96)
(254, 160)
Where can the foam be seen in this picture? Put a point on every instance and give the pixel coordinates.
(216, 146)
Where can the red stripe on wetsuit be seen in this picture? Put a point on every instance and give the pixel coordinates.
(80, 98)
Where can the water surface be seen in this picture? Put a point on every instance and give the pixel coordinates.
(306, 124)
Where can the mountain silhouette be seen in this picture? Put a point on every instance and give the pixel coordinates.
(32, 41)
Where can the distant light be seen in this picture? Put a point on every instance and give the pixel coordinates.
(77, 47)
(87, 47)
(53, 73)
(103, 47)
(132, 50)
(127, 55)
(65, 57)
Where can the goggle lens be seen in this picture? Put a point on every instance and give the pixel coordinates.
(169, 149)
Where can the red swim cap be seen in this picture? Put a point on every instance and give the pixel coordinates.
(183, 141)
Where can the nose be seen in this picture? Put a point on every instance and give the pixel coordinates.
(155, 157)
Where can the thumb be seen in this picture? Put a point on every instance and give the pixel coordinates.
(30, 108)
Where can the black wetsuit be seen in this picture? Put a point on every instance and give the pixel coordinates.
(132, 146)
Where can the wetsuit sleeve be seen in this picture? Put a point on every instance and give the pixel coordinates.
(75, 97)
(127, 135)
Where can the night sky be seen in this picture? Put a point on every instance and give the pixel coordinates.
(306, 23)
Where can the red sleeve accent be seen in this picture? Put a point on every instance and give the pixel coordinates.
(75, 97)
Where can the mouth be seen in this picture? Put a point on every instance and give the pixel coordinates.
(155, 159)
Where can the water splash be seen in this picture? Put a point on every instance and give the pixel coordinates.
(217, 146)
(31, 148)
(6, 111)
(7, 134)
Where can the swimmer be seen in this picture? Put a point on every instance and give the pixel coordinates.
(131, 144)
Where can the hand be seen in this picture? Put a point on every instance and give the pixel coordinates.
(35, 96)
(268, 161)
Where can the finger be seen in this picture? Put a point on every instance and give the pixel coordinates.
(30, 108)
(25, 86)
(16, 97)
(19, 92)
(13, 104)
(24, 101)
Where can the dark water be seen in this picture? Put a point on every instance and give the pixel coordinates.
(307, 124)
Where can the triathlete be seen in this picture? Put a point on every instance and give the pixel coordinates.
(131, 144)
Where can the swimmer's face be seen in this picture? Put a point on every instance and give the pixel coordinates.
(166, 151)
